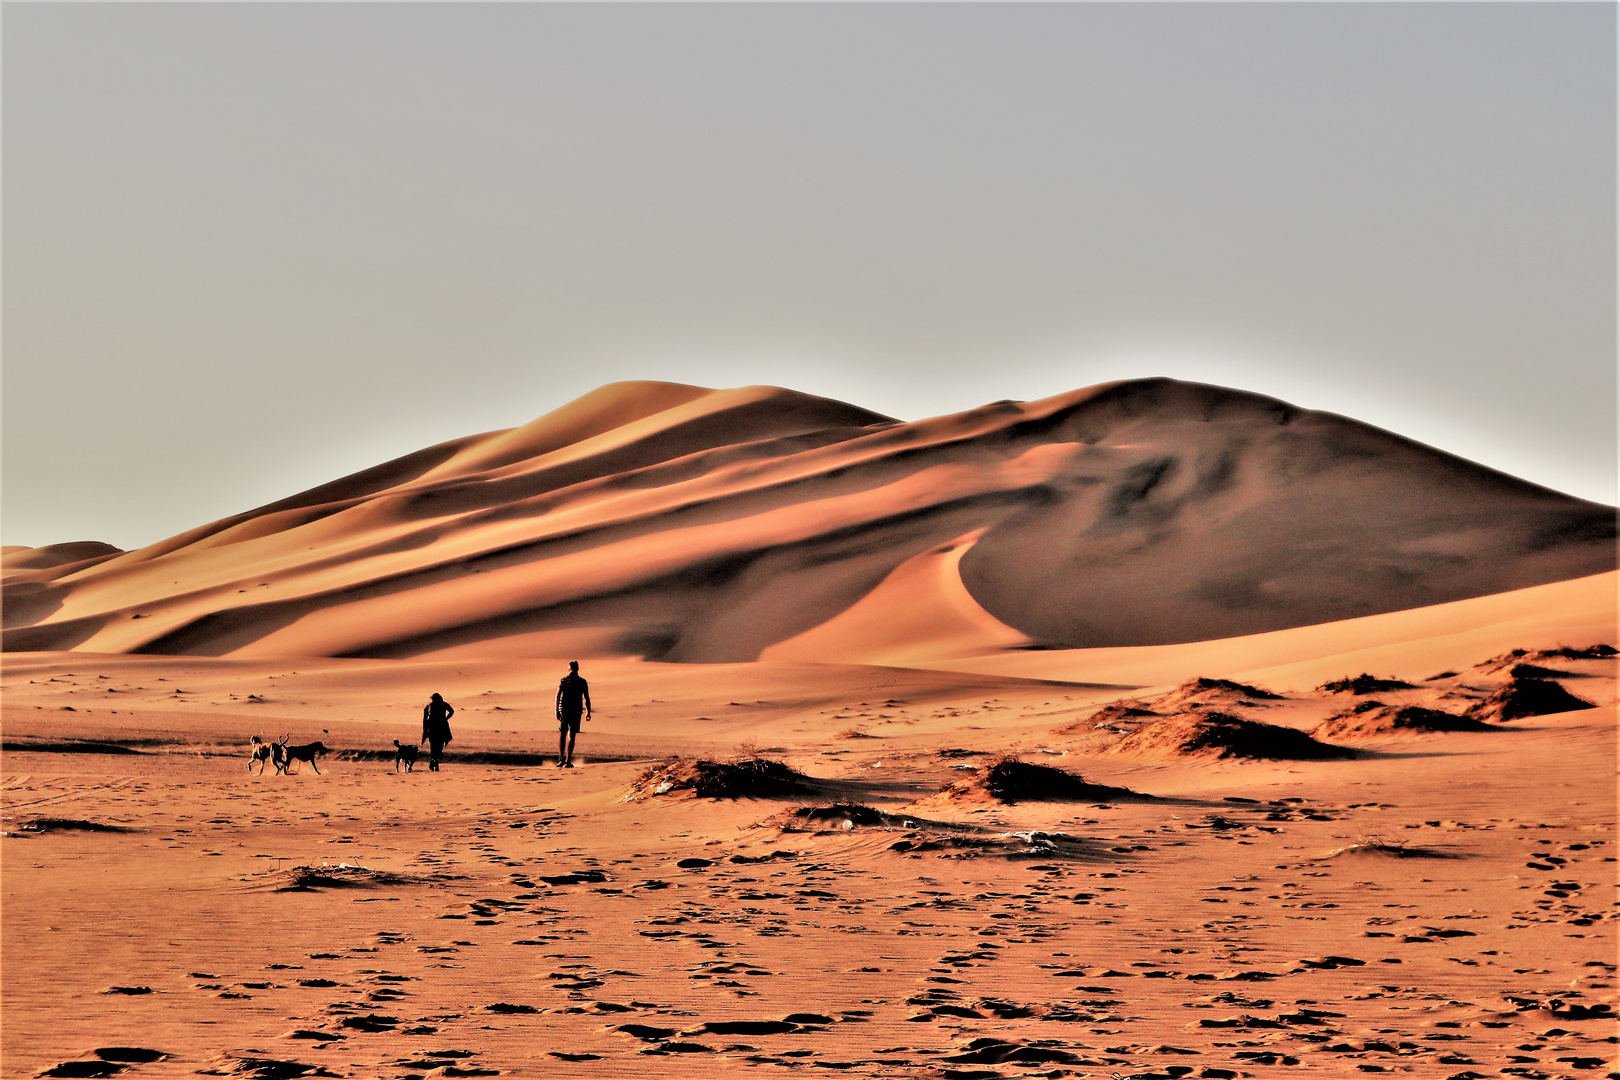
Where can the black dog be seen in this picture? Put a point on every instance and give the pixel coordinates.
(405, 755)
(308, 752)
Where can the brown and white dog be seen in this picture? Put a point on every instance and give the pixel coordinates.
(405, 755)
(261, 753)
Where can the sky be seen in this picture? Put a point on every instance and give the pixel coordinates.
(249, 248)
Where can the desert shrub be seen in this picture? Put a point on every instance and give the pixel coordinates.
(1364, 684)
(1529, 697)
(745, 778)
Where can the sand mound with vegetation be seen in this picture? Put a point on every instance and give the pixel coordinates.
(1206, 691)
(1111, 718)
(1389, 849)
(1022, 844)
(1376, 718)
(1226, 736)
(55, 824)
(341, 876)
(1010, 780)
(1364, 684)
(1528, 697)
(845, 815)
(1536, 671)
(748, 778)
(1563, 652)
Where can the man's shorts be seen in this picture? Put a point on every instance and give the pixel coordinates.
(568, 723)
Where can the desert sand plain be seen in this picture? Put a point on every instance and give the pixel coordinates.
(1424, 887)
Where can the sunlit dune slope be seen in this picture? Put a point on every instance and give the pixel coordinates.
(684, 524)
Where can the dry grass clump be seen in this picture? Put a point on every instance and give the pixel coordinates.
(1223, 735)
(1536, 671)
(1376, 718)
(56, 824)
(1033, 844)
(839, 816)
(1010, 780)
(1564, 652)
(854, 814)
(745, 778)
(267, 1068)
(341, 876)
(1364, 684)
(1202, 689)
(1528, 697)
(1109, 717)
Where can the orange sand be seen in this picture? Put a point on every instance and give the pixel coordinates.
(1188, 931)
(884, 607)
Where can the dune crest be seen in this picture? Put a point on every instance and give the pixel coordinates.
(920, 613)
(677, 523)
(601, 410)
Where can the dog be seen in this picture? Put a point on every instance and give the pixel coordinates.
(308, 752)
(405, 755)
(278, 753)
(261, 753)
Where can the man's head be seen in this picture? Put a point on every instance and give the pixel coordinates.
(573, 665)
(436, 697)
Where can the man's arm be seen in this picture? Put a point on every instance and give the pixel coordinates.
(585, 688)
(559, 701)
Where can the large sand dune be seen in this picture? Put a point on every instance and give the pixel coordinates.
(891, 879)
(677, 523)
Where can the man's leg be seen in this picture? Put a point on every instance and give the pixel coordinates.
(573, 733)
(562, 743)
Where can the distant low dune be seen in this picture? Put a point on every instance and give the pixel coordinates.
(684, 524)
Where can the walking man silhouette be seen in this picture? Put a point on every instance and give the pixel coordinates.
(436, 729)
(573, 698)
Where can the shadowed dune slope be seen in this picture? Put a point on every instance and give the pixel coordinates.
(683, 524)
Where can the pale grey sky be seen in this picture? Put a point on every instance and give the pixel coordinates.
(252, 247)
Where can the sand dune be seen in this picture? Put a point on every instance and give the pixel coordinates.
(1016, 777)
(1412, 644)
(677, 523)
